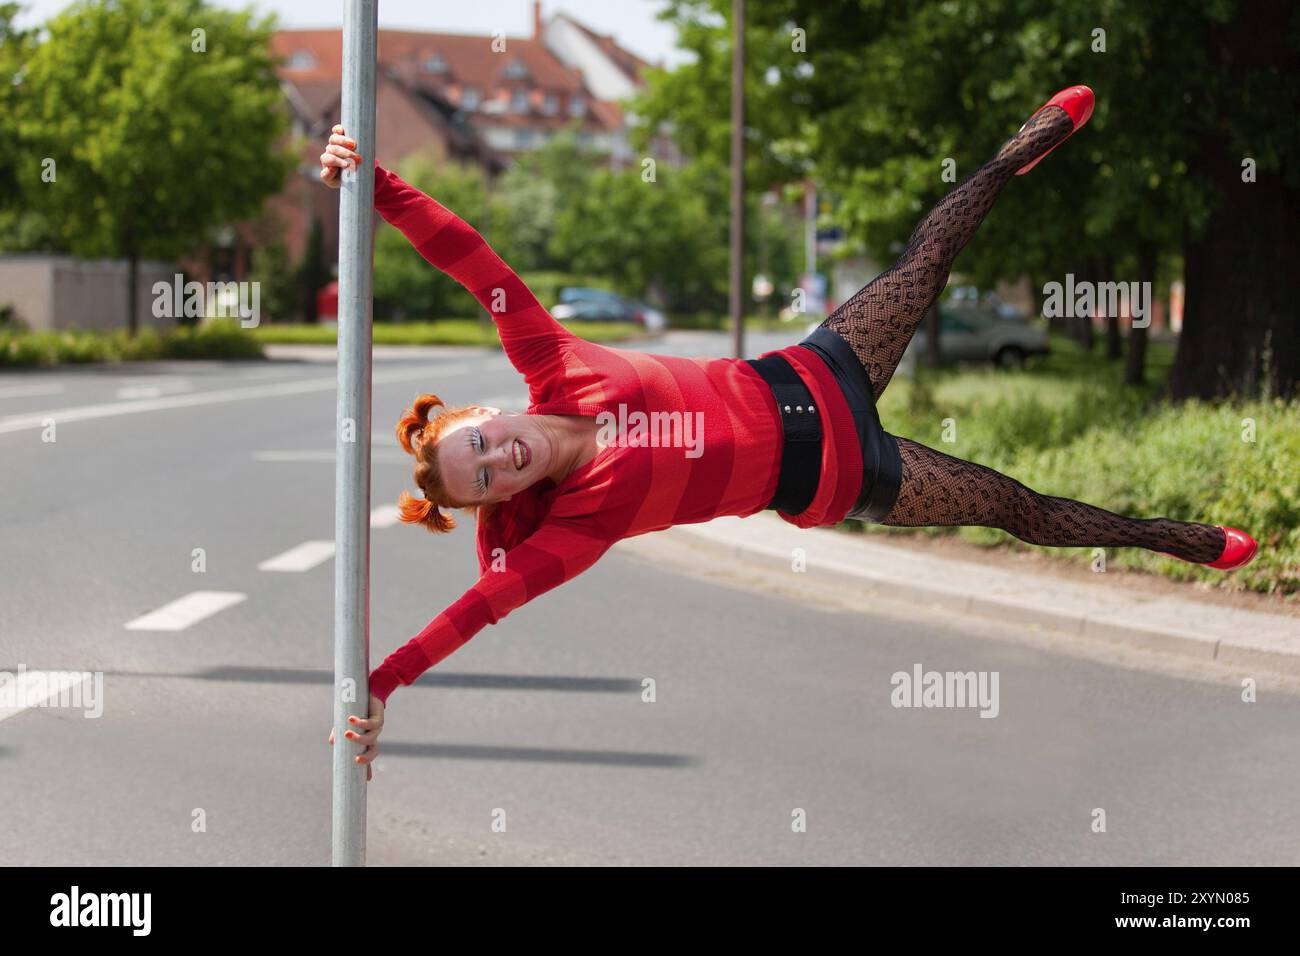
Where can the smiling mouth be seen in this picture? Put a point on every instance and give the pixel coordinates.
(522, 454)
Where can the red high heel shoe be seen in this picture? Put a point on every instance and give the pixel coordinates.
(1077, 101)
(1238, 550)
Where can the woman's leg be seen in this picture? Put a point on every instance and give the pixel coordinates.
(938, 489)
(879, 320)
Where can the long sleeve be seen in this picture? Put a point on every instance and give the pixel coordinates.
(534, 342)
(558, 551)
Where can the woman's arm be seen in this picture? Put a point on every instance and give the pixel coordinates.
(531, 338)
(558, 551)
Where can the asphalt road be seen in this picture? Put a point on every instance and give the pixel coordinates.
(768, 709)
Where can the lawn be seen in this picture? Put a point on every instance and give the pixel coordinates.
(441, 332)
(1067, 426)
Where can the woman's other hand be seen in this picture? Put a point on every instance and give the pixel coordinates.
(338, 155)
(365, 731)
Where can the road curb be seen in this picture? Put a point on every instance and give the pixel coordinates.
(1163, 624)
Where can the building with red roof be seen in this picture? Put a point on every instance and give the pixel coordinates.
(470, 98)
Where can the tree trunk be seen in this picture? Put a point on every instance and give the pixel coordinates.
(1114, 345)
(1083, 333)
(933, 357)
(1240, 330)
(312, 274)
(1082, 330)
(132, 298)
(1055, 323)
(1135, 364)
(1074, 326)
(1104, 271)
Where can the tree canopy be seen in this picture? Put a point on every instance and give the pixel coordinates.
(138, 126)
(874, 99)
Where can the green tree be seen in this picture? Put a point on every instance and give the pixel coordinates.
(312, 272)
(140, 125)
(276, 285)
(667, 233)
(528, 198)
(405, 285)
(874, 98)
(12, 43)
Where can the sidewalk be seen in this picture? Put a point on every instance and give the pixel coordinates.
(1176, 625)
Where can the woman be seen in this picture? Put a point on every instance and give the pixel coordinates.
(795, 431)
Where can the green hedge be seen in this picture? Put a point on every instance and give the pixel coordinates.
(441, 332)
(217, 339)
(226, 339)
(717, 322)
(1069, 428)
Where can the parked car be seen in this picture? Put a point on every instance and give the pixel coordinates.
(591, 310)
(976, 326)
(579, 304)
(571, 294)
(982, 332)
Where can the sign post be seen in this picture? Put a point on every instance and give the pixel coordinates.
(736, 304)
(352, 439)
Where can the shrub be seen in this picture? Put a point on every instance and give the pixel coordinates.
(1081, 435)
(219, 339)
(215, 339)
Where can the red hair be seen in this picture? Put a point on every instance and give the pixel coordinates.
(419, 436)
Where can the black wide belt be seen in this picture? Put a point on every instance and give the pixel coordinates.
(881, 464)
(801, 425)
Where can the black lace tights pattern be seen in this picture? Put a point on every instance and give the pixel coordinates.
(938, 489)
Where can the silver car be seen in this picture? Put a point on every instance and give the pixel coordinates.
(600, 305)
(987, 331)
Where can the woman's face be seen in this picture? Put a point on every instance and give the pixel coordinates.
(488, 457)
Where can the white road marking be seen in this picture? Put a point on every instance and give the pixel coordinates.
(382, 456)
(302, 558)
(261, 373)
(293, 456)
(23, 391)
(385, 454)
(33, 688)
(13, 423)
(185, 611)
(385, 516)
(175, 382)
(153, 386)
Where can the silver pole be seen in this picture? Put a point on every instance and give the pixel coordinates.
(810, 227)
(736, 303)
(352, 441)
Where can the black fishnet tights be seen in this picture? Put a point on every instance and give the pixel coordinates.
(878, 321)
(937, 489)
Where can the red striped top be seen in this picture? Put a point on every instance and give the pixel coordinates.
(698, 438)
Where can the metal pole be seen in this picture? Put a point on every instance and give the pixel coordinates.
(352, 441)
(737, 301)
(809, 228)
(811, 300)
